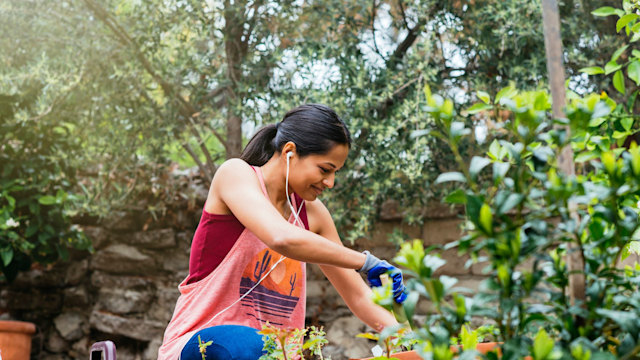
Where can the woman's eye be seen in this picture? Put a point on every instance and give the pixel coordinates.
(324, 171)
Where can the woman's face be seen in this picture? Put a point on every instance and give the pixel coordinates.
(312, 174)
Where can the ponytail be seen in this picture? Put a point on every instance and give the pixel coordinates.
(314, 128)
(261, 146)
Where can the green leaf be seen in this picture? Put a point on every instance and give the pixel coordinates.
(600, 110)
(450, 176)
(483, 96)
(634, 71)
(635, 53)
(586, 156)
(7, 255)
(592, 70)
(634, 151)
(427, 94)
(476, 108)
(47, 200)
(607, 11)
(618, 81)
(500, 169)
(623, 21)
(609, 161)
(542, 345)
(506, 92)
(620, 134)
(618, 52)
(456, 197)
(419, 133)
(512, 201)
(611, 66)
(494, 150)
(627, 123)
(477, 164)
(468, 338)
(447, 108)
(486, 219)
(458, 129)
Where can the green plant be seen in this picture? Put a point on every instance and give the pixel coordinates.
(288, 343)
(37, 176)
(525, 218)
(202, 347)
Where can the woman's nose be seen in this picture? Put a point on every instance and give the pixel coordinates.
(329, 181)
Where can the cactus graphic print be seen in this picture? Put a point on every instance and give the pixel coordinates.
(275, 298)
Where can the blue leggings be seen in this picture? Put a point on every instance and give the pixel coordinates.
(229, 342)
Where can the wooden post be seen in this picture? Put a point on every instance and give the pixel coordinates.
(555, 67)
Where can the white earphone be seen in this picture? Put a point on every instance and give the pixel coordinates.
(296, 215)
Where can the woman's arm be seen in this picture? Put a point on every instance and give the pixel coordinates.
(237, 186)
(349, 284)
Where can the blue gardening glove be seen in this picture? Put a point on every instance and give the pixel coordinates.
(374, 267)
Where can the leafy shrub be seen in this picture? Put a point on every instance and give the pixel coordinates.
(36, 180)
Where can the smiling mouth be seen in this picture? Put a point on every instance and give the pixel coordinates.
(317, 190)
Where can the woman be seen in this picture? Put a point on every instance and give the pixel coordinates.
(260, 224)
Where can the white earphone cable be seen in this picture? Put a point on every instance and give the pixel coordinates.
(296, 215)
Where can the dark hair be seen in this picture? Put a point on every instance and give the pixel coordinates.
(314, 128)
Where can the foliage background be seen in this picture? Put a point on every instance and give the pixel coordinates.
(124, 92)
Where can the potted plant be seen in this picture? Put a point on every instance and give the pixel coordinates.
(15, 339)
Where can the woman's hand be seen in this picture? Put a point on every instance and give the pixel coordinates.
(374, 267)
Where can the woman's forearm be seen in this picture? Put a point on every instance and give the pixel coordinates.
(375, 316)
(303, 245)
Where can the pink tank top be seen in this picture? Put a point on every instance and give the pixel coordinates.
(279, 299)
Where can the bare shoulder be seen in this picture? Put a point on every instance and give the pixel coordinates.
(319, 216)
(232, 174)
(234, 170)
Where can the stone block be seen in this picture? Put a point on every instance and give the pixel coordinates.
(472, 283)
(131, 327)
(35, 301)
(443, 211)
(441, 231)
(99, 236)
(342, 335)
(55, 343)
(165, 301)
(80, 349)
(184, 239)
(71, 325)
(75, 297)
(122, 221)
(77, 272)
(101, 279)
(390, 210)
(124, 301)
(151, 352)
(46, 356)
(455, 263)
(152, 239)
(123, 259)
(173, 261)
(42, 277)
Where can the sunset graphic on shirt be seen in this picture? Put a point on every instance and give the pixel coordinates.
(277, 295)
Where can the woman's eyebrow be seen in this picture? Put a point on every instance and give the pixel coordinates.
(330, 164)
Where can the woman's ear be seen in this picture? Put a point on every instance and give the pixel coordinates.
(289, 148)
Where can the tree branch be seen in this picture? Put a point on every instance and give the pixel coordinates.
(374, 13)
(186, 109)
(404, 46)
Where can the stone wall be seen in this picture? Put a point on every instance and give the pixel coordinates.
(126, 290)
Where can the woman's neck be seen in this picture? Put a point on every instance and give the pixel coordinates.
(274, 173)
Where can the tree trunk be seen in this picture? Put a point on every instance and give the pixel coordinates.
(553, 46)
(236, 50)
